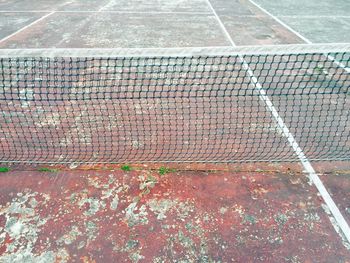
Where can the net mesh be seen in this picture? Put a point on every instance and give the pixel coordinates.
(205, 108)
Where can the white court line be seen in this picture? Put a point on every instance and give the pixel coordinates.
(315, 16)
(223, 28)
(293, 143)
(113, 11)
(164, 12)
(24, 28)
(307, 165)
(298, 34)
(281, 22)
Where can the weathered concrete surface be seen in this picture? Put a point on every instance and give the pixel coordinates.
(10, 22)
(310, 7)
(117, 30)
(176, 23)
(31, 5)
(248, 25)
(153, 6)
(106, 5)
(319, 21)
(322, 30)
(141, 216)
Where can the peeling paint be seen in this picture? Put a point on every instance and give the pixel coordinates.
(184, 217)
(136, 216)
(22, 227)
(161, 207)
(94, 205)
(70, 237)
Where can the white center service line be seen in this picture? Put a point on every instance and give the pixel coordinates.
(343, 225)
(27, 26)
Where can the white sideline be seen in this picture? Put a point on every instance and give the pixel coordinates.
(297, 33)
(293, 143)
(24, 28)
(307, 165)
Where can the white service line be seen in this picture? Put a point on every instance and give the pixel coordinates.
(24, 28)
(303, 159)
(281, 22)
(163, 12)
(315, 16)
(112, 11)
(293, 143)
(344, 226)
(305, 162)
(223, 28)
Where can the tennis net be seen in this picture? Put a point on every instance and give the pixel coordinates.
(175, 105)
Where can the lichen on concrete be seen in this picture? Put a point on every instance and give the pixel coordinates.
(161, 206)
(69, 237)
(94, 205)
(22, 227)
(135, 215)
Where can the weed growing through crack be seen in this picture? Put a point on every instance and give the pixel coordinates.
(165, 170)
(126, 168)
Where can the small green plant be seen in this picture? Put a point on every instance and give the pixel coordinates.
(164, 170)
(126, 168)
(4, 169)
(48, 170)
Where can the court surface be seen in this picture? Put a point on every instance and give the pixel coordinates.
(259, 212)
(163, 23)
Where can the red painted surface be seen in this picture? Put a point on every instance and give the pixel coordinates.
(101, 216)
(338, 184)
